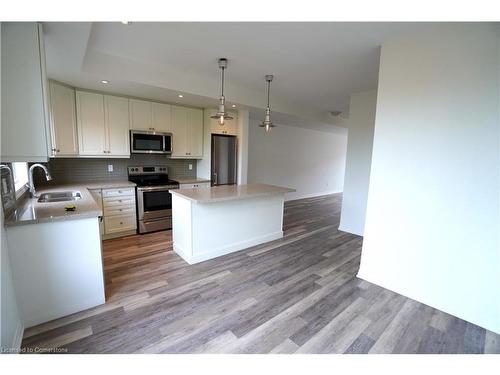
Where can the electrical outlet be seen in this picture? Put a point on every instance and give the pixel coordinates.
(190, 166)
(110, 167)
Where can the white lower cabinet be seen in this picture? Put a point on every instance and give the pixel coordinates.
(195, 185)
(119, 211)
(119, 223)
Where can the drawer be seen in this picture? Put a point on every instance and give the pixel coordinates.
(119, 202)
(194, 186)
(126, 210)
(118, 192)
(119, 223)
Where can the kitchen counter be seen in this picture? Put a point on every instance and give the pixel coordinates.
(30, 211)
(229, 192)
(191, 180)
(210, 222)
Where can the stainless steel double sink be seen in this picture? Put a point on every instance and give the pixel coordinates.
(60, 196)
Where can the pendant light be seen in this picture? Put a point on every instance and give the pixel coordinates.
(222, 115)
(267, 123)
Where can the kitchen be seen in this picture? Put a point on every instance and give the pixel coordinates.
(113, 164)
(162, 193)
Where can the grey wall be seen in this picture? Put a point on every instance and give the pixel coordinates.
(94, 169)
(358, 162)
(310, 161)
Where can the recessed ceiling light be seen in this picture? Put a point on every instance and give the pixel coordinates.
(105, 81)
(180, 96)
(234, 106)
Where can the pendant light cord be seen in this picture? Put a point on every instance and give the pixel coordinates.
(222, 68)
(268, 91)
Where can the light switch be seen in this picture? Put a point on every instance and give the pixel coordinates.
(190, 166)
(110, 167)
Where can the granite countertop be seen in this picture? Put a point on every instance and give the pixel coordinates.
(229, 192)
(30, 211)
(194, 180)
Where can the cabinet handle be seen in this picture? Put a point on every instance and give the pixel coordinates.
(121, 222)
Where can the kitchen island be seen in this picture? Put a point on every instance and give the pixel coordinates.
(214, 221)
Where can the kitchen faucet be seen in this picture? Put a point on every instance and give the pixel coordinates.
(31, 184)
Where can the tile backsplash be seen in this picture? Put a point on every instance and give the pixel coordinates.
(69, 170)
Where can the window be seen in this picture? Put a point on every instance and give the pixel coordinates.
(20, 172)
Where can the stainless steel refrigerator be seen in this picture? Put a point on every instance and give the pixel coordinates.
(223, 163)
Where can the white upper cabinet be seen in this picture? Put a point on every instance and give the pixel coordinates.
(161, 117)
(117, 125)
(195, 132)
(90, 120)
(64, 140)
(24, 93)
(230, 127)
(141, 115)
(103, 125)
(187, 133)
(179, 132)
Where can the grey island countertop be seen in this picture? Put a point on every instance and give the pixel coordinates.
(30, 211)
(229, 192)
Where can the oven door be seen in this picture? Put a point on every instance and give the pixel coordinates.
(153, 203)
(148, 143)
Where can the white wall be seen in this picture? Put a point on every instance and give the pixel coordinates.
(433, 204)
(358, 162)
(11, 326)
(310, 161)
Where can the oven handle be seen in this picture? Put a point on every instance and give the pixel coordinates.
(154, 188)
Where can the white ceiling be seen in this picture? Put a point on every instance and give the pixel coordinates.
(316, 65)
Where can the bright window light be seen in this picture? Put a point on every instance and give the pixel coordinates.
(20, 172)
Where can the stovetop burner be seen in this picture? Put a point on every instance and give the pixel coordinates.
(150, 176)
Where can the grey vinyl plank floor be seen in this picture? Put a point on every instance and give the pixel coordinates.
(299, 294)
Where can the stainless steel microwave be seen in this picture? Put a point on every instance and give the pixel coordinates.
(144, 142)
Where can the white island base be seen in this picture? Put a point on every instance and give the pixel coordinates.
(210, 222)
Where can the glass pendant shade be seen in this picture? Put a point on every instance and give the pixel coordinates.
(221, 114)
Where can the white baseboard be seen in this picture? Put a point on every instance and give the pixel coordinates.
(348, 230)
(18, 337)
(231, 248)
(312, 195)
(392, 288)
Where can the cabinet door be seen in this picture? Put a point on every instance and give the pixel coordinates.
(63, 120)
(23, 114)
(180, 132)
(161, 117)
(117, 125)
(195, 133)
(90, 120)
(140, 115)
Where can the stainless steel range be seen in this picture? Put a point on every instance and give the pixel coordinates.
(154, 200)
